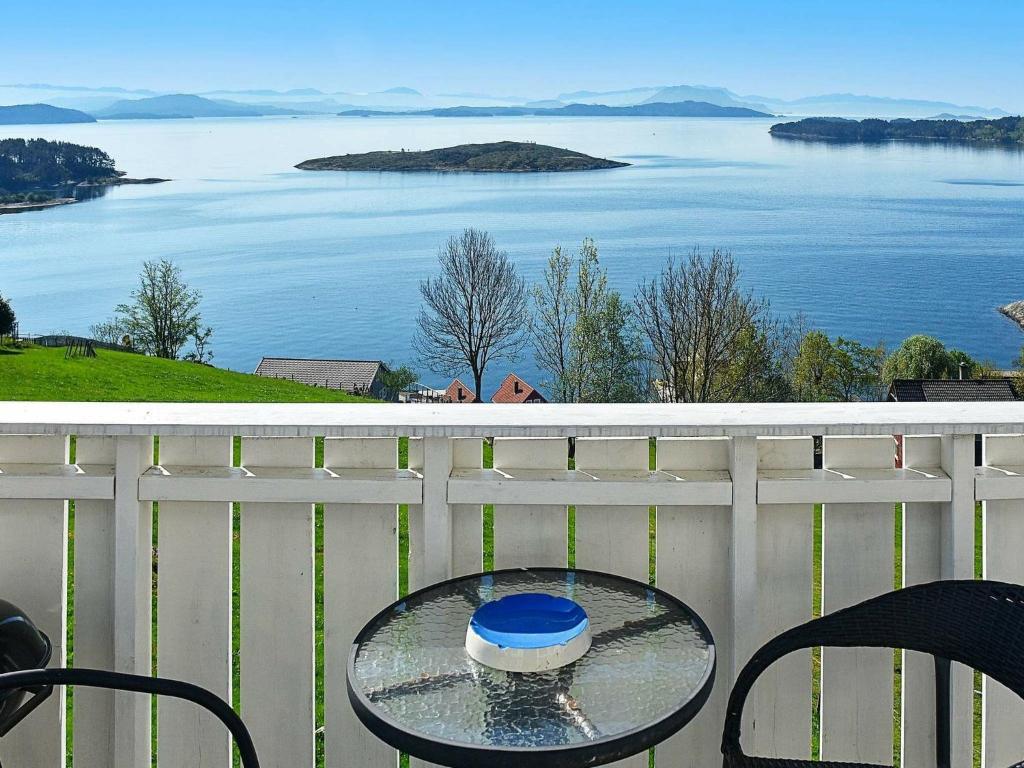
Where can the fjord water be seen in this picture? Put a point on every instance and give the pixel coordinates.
(874, 242)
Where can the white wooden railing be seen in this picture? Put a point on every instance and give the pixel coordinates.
(735, 492)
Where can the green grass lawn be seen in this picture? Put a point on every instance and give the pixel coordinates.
(37, 373)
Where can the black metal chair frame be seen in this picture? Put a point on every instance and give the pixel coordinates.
(976, 623)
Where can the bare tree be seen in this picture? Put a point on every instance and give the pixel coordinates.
(164, 313)
(709, 341)
(474, 312)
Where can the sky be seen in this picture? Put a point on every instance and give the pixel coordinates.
(967, 53)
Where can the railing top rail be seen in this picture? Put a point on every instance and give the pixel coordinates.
(461, 420)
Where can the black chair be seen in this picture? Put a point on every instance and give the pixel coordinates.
(977, 623)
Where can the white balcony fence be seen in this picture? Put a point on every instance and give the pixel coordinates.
(734, 490)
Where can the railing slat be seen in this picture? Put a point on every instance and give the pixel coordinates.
(33, 576)
(94, 612)
(360, 578)
(781, 699)
(535, 535)
(857, 557)
(194, 610)
(693, 564)
(277, 613)
(1002, 735)
(614, 539)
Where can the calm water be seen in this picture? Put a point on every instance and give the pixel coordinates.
(873, 242)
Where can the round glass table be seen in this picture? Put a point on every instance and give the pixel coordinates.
(649, 670)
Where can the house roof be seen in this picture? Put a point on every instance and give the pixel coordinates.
(951, 390)
(350, 375)
(453, 391)
(514, 390)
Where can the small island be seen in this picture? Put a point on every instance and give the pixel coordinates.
(36, 173)
(41, 114)
(1005, 130)
(497, 157)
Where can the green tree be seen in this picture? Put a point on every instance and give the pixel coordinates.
(585, 336)
(816, 368)
(7, 318)
(924, 357)
(164, 312)
(860, 370)
(395, 379)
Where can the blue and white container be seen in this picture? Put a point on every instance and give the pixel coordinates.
(528, 632)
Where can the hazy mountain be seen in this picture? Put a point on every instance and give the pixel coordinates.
(103, 88)
(41, 114)
(610, 98)
(673, 109)
(856, 105)
(711, 95)
(185, 105)
(402, 90)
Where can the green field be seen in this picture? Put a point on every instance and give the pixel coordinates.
(35, 373)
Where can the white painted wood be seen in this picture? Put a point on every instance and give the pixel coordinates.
(437, 516)
(277, 613)
(853, 486)
(552, 420)
(743, 565)
(1002, 735)
(1005, 481)
(194, 610)
(591, 486)
(56, 481)
(360, 578)
(857, 557)
(467, 518)
(938, 543)
(330, 485)
(614, 538)
(693, 564)
(780, 705)
(33, 575)
(133, 611)
(534, 535)
(93, 741)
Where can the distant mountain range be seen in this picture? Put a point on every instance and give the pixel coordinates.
(656, 109)
(41, 114)
(185, 105)
(112, 101)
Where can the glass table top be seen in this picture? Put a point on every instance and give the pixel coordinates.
(648, 671)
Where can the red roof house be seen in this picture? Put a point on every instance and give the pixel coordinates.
(515, 390)
(458, 392)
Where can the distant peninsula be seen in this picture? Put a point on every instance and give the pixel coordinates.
(41, 114)
(1005, 130)
(36, 173)
(655, 109)
(497, 157)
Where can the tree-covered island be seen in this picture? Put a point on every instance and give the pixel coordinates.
(497, 157)
(1005, 130)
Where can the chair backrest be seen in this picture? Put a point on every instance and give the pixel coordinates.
(977, 623)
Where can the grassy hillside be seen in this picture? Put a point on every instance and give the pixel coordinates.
(36, 373)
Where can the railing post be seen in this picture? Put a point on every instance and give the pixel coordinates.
(743, 552)
(133, 571)
(437, 517)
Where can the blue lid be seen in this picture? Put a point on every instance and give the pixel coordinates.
(529, 620)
